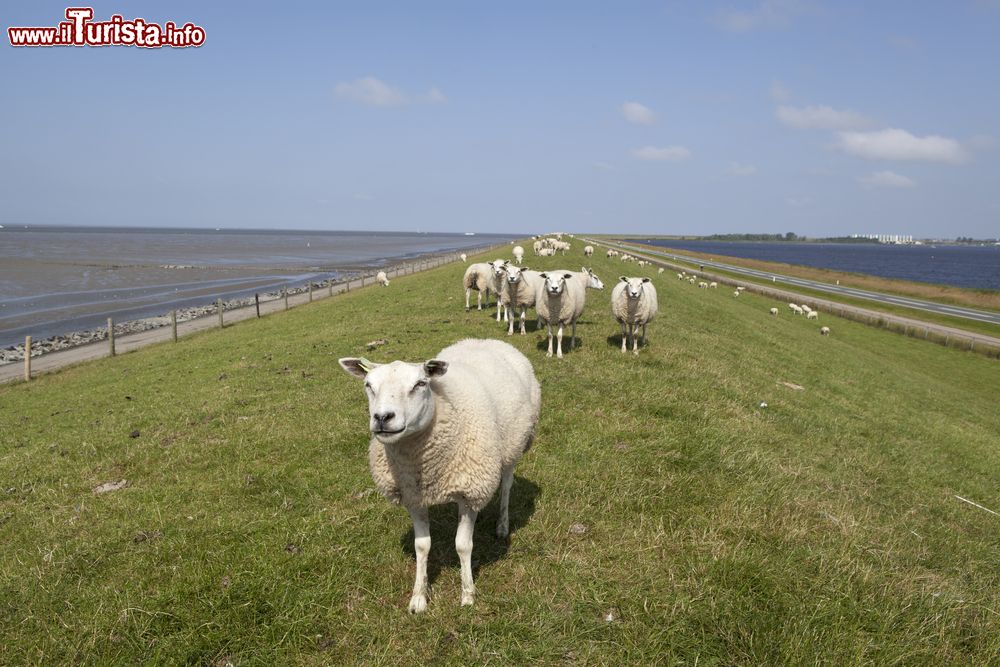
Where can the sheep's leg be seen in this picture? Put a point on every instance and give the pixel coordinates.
(572, 340)
(467, 295)
(635, 339)
(559, 335)
(463, 545)
(644, 333)
(624, 338)
(503, 522)
(510, 323)
(479, 300)
(548, 327)
(524, 315)
(422, 547)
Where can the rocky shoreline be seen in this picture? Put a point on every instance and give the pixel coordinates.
(15, 353)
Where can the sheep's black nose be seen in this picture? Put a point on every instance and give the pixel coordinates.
(384, 417)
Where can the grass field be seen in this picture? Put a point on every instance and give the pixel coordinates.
(823, 528)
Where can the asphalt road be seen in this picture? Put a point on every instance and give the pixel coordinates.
(777, 279)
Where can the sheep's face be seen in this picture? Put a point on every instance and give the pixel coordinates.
(514, 274)
(400, 401)
(633, 286)
(555, 283)
(499, 267)
(593, 282)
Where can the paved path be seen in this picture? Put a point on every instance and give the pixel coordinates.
(774, 278)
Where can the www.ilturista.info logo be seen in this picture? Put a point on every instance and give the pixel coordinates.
(80, 30)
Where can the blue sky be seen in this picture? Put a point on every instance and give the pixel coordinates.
(821, 118)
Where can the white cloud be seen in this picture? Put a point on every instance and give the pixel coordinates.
(672, 153)
(896, 144)
(821, 118)
(766, 14)
(374, 92)
(638, 113)
(737, 169)
(779, 93)
(886, 179)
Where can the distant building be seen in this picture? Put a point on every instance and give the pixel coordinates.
(898, 239)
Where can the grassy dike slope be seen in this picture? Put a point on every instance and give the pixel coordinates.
(821, 529)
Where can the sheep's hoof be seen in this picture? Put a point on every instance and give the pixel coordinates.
(503, 530)
(418, 604)
(510, 333)
(559, 356)
(548, 354)
(468, 598)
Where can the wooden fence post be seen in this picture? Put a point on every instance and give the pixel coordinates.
(218, 309)
(27, 358)
(111, 336)
(173, 325)
(256, 302)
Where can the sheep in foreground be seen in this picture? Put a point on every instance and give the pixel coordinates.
(812, 315)
(479, 277)
(518, 253)
(588, 250)
(519, 294)
(824, 331)
(557, 303)
(449, 430)
(463, 256)
(633, 303)
(382, 279)
(774, 311)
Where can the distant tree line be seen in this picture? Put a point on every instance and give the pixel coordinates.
(790, 236)
(969, 239)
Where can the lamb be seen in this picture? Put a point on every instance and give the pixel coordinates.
(633, 302)
(518, 253)
(556, 303)
(812, 315)
(449, 430)
(824, 331)
(463, 256)
(774, 311)
(519, 294)
(382, 279)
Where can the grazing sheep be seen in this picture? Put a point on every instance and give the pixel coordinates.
(519, 293)
(518, 253)
(588, 250)
(659, 270)
(714, 285)
(558, 304)
(796, 309)
(680, 276)
(633, 303)
(499, 268)
(806, 308)
(611, 253)
(537, 246)
(812, 315)
(740, 288)
(703, 285)
(547, 252)
(824, 331)
(382, 279)
(463, 257)
(774, 311)
(691, 280)
(736, 293)
(479, 277)
(449, 430)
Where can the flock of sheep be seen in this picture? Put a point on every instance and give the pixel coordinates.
(451, 429)
(557, 296)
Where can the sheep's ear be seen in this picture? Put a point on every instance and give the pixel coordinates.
(544, 276)
(645, 280)
(567, 276)
(357, 366)
(435, 367)
(624, 279)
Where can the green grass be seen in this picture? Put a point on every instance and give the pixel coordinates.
(821, 529)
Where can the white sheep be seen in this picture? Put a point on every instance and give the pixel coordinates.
(824, 331)
(547, 252)
(519, 294)
(588, 250)
(463, 257)
(479, 277)
(537, 246)
(382, 279)
(633, 303)
(499, 268)
(740, 288)
(556, 303)
(774, 311)
(796, 309)
(737, 293)
(812, 315)
(449, 430)
(680, 276)
(518, 253)
(806, 308)
(659, 270)
(714, 285)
